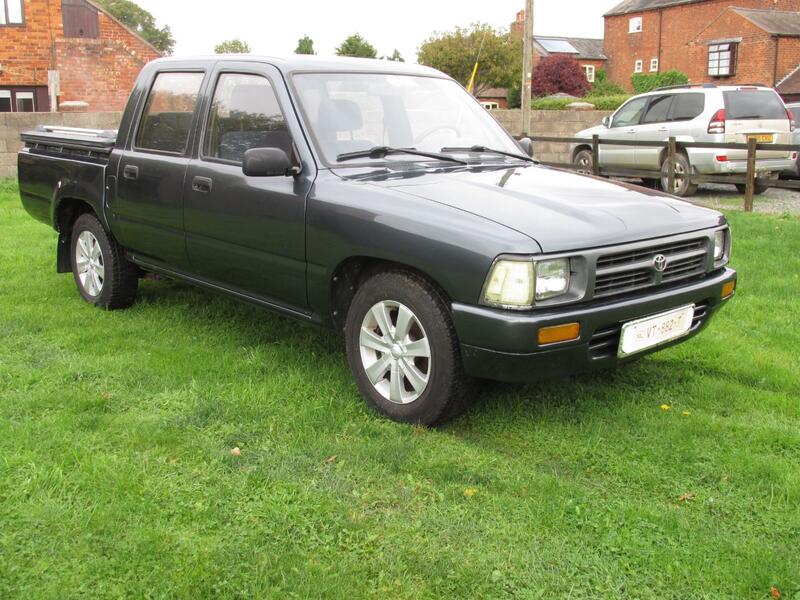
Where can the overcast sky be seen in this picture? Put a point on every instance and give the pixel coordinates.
(273, 28)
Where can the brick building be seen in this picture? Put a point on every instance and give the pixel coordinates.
(53, 51)
(719, 41)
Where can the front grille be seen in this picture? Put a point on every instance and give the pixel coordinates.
(605, 342)
(632, 270)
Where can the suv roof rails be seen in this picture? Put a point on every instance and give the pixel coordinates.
(685, 85)
(750, 85)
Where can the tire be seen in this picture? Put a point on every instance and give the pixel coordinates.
(430, 386)
(758, 189)
(103, 276)
(584, 162)
(682, 186)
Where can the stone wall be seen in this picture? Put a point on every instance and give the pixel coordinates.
(551, 123)
(12, 124)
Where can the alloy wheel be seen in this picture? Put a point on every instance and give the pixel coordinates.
(89, 262)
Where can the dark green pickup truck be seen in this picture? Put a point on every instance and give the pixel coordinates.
(380, 199)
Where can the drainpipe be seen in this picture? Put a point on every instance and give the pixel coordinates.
(775, 67)
(660, 27)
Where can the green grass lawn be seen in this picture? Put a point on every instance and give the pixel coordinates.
(117, 478)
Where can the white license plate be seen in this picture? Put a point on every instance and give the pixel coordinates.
(653, 331)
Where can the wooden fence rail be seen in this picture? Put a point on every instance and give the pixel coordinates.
(748, 179)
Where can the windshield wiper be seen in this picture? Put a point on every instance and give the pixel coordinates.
(384, 151)
(485, 150)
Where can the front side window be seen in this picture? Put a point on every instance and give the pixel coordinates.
(5, 101)
(658, 110)
(245, 114)
(167, 118)
(11, 12)
(635, 25)
(722, 60)
(350, 112)
(630, 113)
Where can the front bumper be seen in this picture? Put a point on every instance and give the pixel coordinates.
(502, 345)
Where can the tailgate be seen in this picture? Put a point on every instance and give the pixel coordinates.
(765, 131)
(759, 113)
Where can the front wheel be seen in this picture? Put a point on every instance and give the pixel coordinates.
(584, 162)
(403, 350)
(103, 276)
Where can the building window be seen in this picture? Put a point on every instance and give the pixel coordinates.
(654, 65)
(5, 101)
(638, 66)
(11, 12)
(80, 19)
(589, 71)
(20, 99)
(635, 25)
(490, 105)
(722, 60)
(25, 102)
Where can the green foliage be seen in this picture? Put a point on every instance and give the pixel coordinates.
(645, 83)
(234, 46)
(395, 56)
(305, 45)
(117, 478)
(455, 52)
(514, 97)
(142, 22)
(600, 103)
(602, 86)
(355, 45)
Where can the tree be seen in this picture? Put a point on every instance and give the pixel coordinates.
(395, 56)
(455, 52)
(234, 46)
(559, 73)
(142, 22)
(305, 45)
(355, 45)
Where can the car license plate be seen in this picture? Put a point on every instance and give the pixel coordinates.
(656, 330)
(762, 138)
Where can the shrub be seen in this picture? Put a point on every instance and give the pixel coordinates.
(645, 83)
(600, 103)
(608, 102)
(559, 73)
(603, 87)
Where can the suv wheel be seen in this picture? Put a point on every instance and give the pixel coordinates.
(403, 350)
(103, 276)
(683, 186)
(758, 188)
(584, 162)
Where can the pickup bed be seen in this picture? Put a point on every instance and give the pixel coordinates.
(378, 199)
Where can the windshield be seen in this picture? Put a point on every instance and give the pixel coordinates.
(351, 112)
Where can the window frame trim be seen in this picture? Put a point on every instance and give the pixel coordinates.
(654, 62)
(187, 151)
(638, 66)
(631, 21)
(733, 58)
(204, 123)
(586, 74)
(22, 23)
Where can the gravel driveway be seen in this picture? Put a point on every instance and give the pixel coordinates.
(725, 197)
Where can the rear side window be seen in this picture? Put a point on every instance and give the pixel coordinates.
(755, 104)
(245, 114)
(688, 106)
(167, 118)
(658, 110)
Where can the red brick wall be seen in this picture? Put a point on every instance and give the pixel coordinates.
(98, 71)
(683, 31)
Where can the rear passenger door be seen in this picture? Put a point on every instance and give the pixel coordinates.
(147, 208)
(248, 233)
(653, 128)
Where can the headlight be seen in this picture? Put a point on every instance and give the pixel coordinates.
(719, 245)
(520, 283)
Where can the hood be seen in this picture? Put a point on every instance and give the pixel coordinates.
(587, 133)
(560, 210)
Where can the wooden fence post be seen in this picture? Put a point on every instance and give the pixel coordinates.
(671, 149)
(596, 155)
(752, 144)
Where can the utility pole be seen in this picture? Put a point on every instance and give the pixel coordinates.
(527, 68)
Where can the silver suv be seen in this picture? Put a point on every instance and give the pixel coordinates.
(703, 113)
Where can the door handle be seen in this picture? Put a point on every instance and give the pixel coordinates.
(663, 130)
(202, 184)
(130, 172)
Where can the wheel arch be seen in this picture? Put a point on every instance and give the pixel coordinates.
(66, 212)
(579, 148)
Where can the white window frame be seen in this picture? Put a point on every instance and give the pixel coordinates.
(24, 96)
(6, 17)
(654, 65)
(589, 71)
(722, 59)
(635, 25)
(490, 105)
(638, 66)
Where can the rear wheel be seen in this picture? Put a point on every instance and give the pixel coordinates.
(682, 184)
(103, 276)
(403, 350)
(584, 162)
(758, 188)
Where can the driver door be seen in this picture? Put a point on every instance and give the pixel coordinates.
(624, 126)
(247, 233)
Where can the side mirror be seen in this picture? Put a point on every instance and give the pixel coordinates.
(267, 162)
(526, 145)
(606, 122)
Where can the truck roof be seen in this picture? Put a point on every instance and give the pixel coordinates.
(304, 63)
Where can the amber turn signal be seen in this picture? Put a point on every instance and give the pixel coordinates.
(728, 289)
(559, 333)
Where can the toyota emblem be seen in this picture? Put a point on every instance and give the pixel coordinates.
(659, 263)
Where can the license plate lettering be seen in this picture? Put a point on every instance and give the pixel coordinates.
(652, 331)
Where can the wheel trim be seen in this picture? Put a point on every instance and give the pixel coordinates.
(89, 263)
(678, 180)
(584, 164)
(395, 352)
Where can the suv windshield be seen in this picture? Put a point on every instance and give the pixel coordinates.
(753, 104)
(352, 112)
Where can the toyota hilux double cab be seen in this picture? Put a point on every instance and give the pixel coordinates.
(698, 113)
(381, 200)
